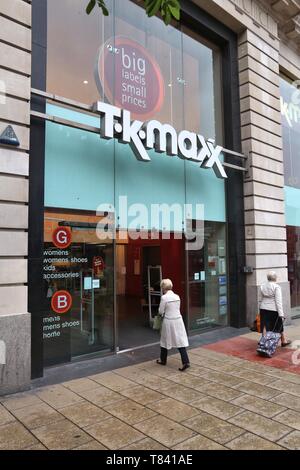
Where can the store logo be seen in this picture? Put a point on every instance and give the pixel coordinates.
(62, 237)
(116, 123)
(290, 111)
(130, 77)
(61, 302)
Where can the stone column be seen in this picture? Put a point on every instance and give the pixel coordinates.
(266, 246)
(15, 83)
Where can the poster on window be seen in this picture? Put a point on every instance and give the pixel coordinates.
(130, 77)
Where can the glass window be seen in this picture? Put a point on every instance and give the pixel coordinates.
(73, 40)
(208, 282)
(79, 287)
(293, 243)
(169, 74)
(290, 113)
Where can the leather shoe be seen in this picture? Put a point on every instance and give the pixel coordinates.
(184, 367)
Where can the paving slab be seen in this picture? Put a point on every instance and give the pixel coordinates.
(259, 406)
(38, 415)
(173, 409)
(114, 434)
(213, 428)
(130, 412)
(228, 399)
(165, 431)
(291, 441)
(5, 416)
(62, 435)
(289, 417)
(14, 436)
(250, 441)
(216, 407)
(141, 394)
(84, 414)
(261, 426)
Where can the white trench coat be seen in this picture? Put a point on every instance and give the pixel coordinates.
(173, 333)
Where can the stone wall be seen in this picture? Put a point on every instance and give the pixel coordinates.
(15, 80)
(259, 66)
(265, 226)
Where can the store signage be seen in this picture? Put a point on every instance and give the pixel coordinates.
(143, 136)
(98, 265)
(290, 111)
(61, 302)
(62, 237)
(130, 77)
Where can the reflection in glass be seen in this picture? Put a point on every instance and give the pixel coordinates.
(207, 276)
(85, 270)
(293, 246)
(290, 117)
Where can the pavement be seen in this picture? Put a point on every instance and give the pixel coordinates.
(230, 399)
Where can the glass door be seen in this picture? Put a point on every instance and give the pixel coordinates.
(147, 77)
(79, 286)
(208, 281)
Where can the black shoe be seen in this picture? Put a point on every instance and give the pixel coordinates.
(184, 367)
(161, 363)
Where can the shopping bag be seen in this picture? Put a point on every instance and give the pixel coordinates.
(258, 329)
(157, 322)
(256, 324)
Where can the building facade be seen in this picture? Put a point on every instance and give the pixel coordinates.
(138, 151)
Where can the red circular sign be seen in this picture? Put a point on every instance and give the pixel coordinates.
(130, 77)
(61, 302)
(62, 237)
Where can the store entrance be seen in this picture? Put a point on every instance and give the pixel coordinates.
(138, 301)
(78, 272)
(141, 265)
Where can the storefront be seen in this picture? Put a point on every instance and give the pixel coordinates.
(290, 111)
(118, 218)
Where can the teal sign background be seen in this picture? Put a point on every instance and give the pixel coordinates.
(82, 171)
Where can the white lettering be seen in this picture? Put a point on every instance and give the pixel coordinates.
(62, 301)
(61, 236)
(161, 137)
(130, 136)
(187, 143)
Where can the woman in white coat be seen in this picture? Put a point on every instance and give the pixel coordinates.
(173, 333)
